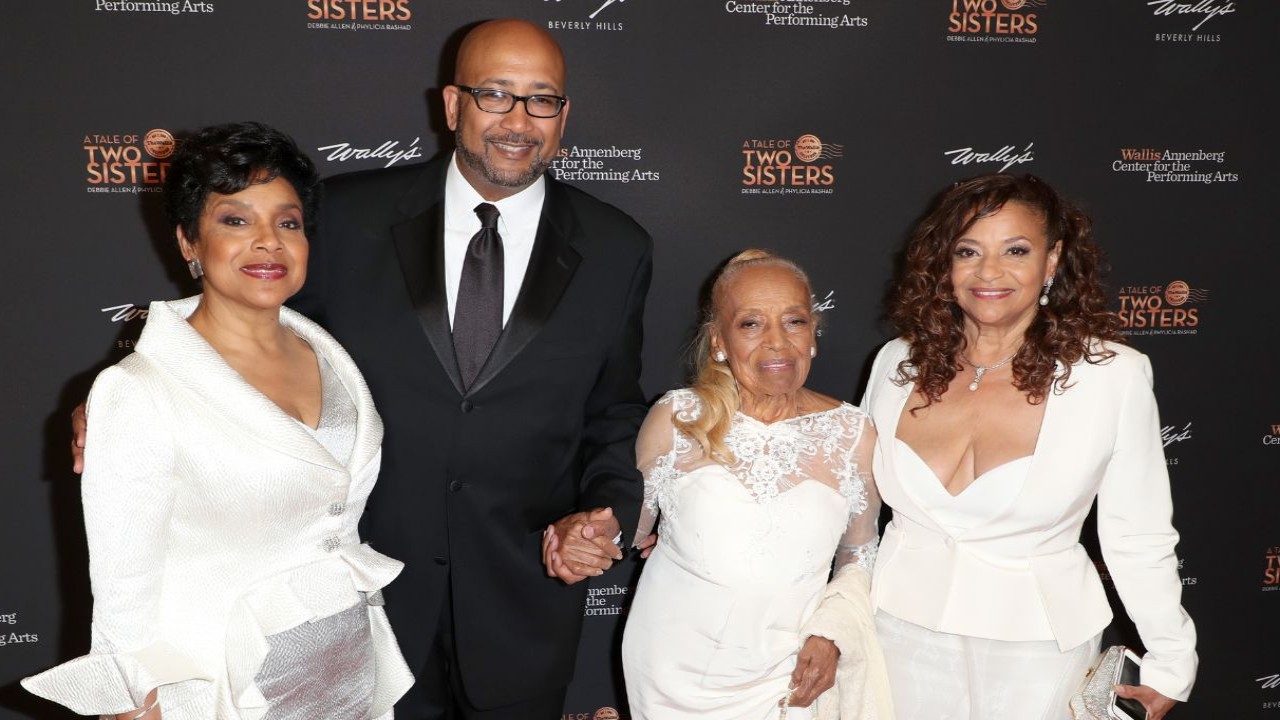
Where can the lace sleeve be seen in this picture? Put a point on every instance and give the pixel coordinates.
(862, 536)
(656, 458)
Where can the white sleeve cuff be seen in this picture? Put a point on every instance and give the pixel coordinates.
(110, 683)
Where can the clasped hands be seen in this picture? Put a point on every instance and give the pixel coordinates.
(580, 545)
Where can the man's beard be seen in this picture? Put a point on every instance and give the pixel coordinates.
(509, 179)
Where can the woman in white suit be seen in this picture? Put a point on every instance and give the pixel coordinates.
(227, 464)
(1004, 408)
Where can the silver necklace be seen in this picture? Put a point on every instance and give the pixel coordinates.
(980, 370)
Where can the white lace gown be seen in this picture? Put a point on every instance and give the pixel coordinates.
(744, 555)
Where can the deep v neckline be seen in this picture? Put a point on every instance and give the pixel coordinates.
(909, 390)
(943, 486)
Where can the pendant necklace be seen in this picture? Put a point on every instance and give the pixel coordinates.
(980, 370)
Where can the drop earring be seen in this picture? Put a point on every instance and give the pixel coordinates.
(1044, 294)
(813, 351)
(196, 269)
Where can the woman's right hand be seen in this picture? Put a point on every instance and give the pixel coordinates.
(815, 671)
(1157, 705)
(647, 545)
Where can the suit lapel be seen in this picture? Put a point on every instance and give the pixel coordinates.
(892, 403)
(551, 267)
(368, 439)
(420, 246)
(174, 347)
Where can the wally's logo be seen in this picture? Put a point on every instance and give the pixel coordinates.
(1205, 10)
(389, 151)
(1267, 682)
(826, 304)
(1170, 434)
(125, 313)
(1008, 156)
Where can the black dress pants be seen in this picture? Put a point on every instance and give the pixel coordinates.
(438, 693)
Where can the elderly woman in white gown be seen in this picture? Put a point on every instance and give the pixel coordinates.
(227, 463)
(759, 484)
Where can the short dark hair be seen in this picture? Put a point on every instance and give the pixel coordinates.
(226, 159)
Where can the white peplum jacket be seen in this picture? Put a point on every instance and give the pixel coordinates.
(1002, 580)
(215, 520)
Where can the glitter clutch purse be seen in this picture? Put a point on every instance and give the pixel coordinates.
(1092, 700)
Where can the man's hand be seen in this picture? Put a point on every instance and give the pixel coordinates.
(580, 545)
(79, 423)
(1157, 705)
(815, 670)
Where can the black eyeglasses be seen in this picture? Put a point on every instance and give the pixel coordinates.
(492, 100)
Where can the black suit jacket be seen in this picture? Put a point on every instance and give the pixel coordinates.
(470, 479)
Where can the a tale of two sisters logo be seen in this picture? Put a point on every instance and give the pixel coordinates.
(1168, 309)
(1271, 569)
(127, 162)
(782, 166)
(1003, 21)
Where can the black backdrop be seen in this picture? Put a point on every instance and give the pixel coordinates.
(817, 128)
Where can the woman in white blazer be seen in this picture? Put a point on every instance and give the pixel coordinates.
(227, 464)
(1003, 409)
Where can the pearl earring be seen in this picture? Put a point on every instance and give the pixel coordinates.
(1044, 295)
(720, 356)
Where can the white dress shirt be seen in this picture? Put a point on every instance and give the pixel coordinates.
(517, 224)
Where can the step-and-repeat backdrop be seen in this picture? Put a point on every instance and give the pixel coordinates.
(817, 128)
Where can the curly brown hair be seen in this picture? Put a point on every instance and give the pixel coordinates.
(923, 308)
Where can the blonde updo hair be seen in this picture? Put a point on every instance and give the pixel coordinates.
(713, 382)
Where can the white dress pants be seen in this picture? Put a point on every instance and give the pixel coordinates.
(940, 676)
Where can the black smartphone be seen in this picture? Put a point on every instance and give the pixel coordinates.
(1130, 674)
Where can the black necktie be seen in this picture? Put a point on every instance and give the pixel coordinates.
(477, 318)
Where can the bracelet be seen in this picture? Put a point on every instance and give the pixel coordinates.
(146, 711)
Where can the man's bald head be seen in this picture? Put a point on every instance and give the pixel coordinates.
(517, 40)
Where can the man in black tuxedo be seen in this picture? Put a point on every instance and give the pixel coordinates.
(496, 428)
(497, 317)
